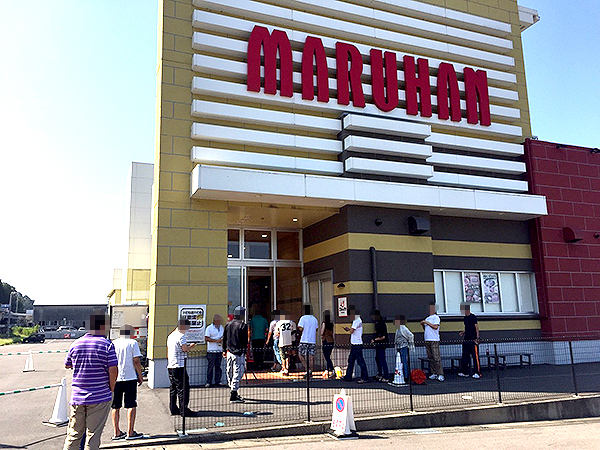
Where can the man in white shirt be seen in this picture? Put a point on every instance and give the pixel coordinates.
(285, 331)
(308, 325)
(356, 346)
(214, 351)
(431, 328)
(177, 347)
(128, 379)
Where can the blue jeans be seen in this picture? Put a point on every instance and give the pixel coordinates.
(356, 356)
(382, 368)
(276, 351)
(404, 357)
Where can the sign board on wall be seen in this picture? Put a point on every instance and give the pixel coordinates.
(342, 306)
(196, 314)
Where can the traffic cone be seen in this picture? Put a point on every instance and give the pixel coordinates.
(398, 375)
(60, 414)
(29, 363)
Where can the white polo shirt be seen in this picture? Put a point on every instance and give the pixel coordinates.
(356, 336)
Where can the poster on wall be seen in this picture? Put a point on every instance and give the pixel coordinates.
(472, 286)
(491, 291)
(196, 314)
(342, 306)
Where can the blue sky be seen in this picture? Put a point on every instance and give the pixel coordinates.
(77, 99)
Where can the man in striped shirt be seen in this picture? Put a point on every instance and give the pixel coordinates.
(94, 362)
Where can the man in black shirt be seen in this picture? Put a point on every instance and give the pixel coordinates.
(381, 342)
(470, 347)
(235, 345)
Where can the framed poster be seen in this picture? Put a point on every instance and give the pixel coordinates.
(472, 286)
(342, 306)
(196, 314)
(491, 290)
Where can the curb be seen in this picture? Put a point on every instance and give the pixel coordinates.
(531, 411)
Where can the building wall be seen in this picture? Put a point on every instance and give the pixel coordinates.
(568, 274)
(75, 315)
(189, 237)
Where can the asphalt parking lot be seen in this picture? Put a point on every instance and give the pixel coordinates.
(22, 414)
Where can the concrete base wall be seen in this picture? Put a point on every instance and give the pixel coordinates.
(158, 377)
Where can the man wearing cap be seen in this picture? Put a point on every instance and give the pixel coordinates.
(235, 345)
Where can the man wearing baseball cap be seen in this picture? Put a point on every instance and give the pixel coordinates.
(235, 344)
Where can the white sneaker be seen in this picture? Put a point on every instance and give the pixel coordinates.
(476, 376)
(462, 374)
(433, 376)
(440, 378)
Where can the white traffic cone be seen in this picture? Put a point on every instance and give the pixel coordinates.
(398, 374)
(60, 414)
(29, 363)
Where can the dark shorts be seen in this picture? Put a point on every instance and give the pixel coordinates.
(127, 389)
(286, 351)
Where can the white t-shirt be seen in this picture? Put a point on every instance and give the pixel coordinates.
(284, 328)
(175, 354)
(430, 333)
(309, 325)
(356, 336)
(214, 333)
(126, 349)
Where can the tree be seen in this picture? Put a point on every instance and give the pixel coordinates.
(20, 304)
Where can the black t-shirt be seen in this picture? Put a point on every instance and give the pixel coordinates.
(381, 331)
(470, 330)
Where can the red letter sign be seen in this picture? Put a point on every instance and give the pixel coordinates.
(271, 42)
(412, 83)
(476, 91)
(446, 80)
(345, 53)
(313, 48)
(391, 80)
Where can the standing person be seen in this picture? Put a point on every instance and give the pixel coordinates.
(285, 330)
(94, 362)
(381, 342)
(470, 346)
(235, 345)
(431, 327)
(356, 347)
(177, 347)
(308, 326)
(402, 340)
(214, 351)
(129, 378)
(271, 335)
(258, 326)
(328, 341)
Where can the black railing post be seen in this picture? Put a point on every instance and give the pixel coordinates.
(185, 396)
(575, 387)
(308, 375)
(497, 373)
(409, 381)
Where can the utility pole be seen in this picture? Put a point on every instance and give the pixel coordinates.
(9, 310)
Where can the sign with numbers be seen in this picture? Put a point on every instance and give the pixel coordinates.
(342, 419)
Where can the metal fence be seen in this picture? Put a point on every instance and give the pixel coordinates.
(510, 371)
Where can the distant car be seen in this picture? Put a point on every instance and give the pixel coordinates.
(50, 328)
(35, 337)
(66, 328)
(81, 329)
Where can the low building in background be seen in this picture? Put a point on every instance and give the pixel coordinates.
(76, 315)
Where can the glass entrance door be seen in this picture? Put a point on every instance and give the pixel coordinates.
(319, 294)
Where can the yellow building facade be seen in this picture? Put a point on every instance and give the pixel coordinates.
(272, 199)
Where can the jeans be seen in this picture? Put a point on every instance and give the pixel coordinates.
(214, 367)
(276, 351)
(356, 356)
(327, 350)
(404, 358)
(382, 368)
(179, 389)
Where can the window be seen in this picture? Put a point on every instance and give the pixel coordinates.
(288, 245)
(234, 292)
(486, 292)
(257, 244)
(233, 244)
